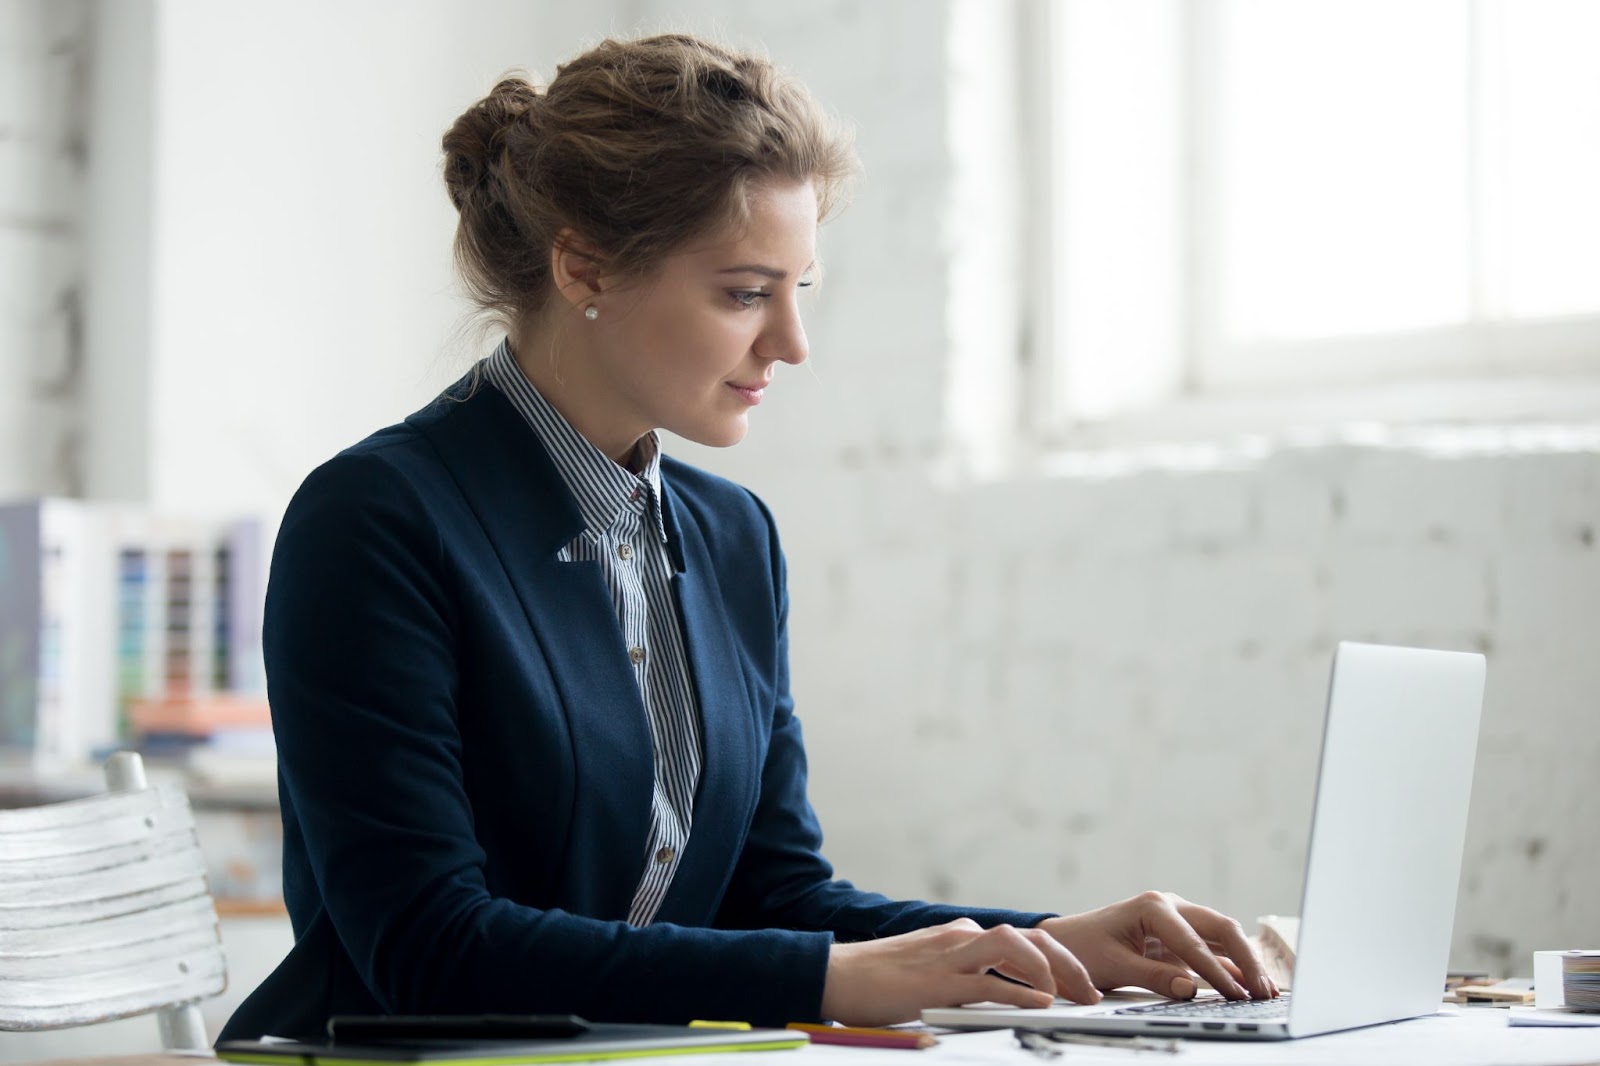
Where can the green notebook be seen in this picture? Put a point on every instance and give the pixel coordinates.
(596, 1041)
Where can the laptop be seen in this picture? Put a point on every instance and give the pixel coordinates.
(1387, 833)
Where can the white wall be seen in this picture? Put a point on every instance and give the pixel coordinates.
(1049, 690)
(43, 53)
(296, 261)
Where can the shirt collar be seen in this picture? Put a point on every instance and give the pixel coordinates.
(602, 487)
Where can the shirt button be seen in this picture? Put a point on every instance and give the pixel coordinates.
(625, 551)
(636, 656)
(665, 855)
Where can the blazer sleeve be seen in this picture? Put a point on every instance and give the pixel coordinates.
(782, 879)
(360, 634)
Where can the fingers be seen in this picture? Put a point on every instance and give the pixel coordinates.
(1072, 977)
(1161, 954)
(1233, 970)
(1164, 979)
(1010, 951)
(1072, 980)
(986, 988)
(1185, 941)
(877, 982)
(1249, 972)
(1163, 942)
(1031, 956)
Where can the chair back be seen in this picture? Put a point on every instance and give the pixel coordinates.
(105, 913)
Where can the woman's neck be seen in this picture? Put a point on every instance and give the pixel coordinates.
(558, 367)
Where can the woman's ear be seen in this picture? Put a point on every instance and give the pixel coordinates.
(575, 268)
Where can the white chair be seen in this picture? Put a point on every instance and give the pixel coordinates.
(105, 913)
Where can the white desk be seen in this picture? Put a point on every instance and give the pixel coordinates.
(1472, 1037)
(1477, 1036)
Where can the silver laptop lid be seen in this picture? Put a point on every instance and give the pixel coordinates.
(1387, 836)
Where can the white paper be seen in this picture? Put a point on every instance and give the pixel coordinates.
(1548, 987)
(1557, 1016)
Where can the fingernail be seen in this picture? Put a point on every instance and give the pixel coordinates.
(1182, 988)
(1264, 986)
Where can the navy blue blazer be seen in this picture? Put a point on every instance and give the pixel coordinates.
(465, 762)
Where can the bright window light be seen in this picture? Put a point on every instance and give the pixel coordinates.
(1551, 115)
(1290, 194)
(1344, 167)
(1119, 281)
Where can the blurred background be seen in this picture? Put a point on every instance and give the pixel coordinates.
(1163, 346)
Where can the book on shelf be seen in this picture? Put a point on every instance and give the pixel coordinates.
(220, 739)
(105, 604)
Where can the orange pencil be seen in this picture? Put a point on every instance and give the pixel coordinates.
(910, 1039)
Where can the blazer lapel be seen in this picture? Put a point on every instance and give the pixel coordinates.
(730, 769)
(514, 489)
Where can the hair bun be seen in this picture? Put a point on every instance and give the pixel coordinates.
(475, 143)
(639, 148)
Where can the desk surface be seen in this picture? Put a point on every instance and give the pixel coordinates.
(1469, 1037)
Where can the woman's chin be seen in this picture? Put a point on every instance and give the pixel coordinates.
(720, 434)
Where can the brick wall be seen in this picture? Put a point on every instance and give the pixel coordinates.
(1059, 691)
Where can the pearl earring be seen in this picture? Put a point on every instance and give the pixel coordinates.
(591, 312)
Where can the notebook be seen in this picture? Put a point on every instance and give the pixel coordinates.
(596, 1040)
(1388, 829)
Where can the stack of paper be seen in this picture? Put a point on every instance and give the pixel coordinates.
(1580, 979)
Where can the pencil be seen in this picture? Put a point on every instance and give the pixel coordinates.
(910, 1039)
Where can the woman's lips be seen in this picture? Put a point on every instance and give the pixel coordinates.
(750, 394)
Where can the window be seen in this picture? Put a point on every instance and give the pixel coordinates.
(1249, 195)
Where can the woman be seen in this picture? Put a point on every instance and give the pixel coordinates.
(529, 677)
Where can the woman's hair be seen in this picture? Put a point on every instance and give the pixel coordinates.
(637, 147)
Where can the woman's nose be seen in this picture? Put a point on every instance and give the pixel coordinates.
(785, 339)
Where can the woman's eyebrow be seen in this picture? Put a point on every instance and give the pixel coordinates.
(765, 271)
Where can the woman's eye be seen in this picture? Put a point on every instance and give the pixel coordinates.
(748, 297)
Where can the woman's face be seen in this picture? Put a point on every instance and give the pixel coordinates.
(691, 348)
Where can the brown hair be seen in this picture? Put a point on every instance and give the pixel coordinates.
(638, 147)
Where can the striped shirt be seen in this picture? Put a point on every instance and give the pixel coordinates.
(623, 532)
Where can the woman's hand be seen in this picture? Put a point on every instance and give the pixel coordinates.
(880, 982)
(1158, 940)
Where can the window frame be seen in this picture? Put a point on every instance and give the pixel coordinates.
(1477, 357)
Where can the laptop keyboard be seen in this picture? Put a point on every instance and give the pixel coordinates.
(1248, 1009)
